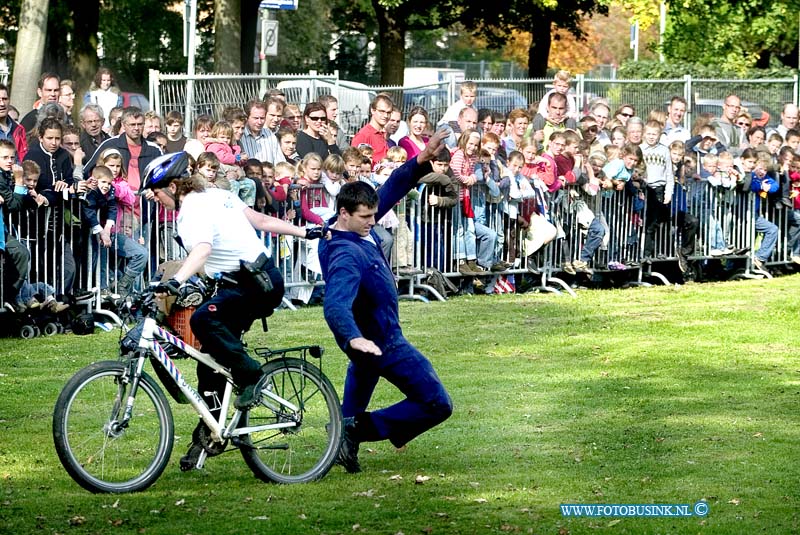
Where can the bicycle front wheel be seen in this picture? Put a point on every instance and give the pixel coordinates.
(305, 450)
(101, 453)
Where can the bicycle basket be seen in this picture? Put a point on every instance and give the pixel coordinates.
(178, 320)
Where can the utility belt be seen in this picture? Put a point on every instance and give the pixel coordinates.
(252, 276)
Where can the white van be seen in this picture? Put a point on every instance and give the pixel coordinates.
(354, 99)
(425, 76)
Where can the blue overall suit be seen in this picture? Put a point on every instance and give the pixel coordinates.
(361, 301)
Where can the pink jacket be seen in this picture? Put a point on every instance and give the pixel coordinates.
(224, 152)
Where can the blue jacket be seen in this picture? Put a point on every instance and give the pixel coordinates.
(360, 292)
(756, 186)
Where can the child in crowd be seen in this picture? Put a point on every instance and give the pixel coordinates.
(71, 142)
(352, 163)
(794, 218)
(175, 137)
(488, 202)
(766, 187)
(561, 84)
(207, 167)
(687, 223)
(710, 204)
(99, 214)
(287, 138)
(462, 164)
(660, 183)
(333, 169)
(314, 207)
(467, 93)
(774, 143)
(126, 199)
(620, 170)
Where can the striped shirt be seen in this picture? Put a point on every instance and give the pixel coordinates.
(264, 147)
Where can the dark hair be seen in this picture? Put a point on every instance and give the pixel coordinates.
(8, 144)
(285, 131)
(748, 153)
(443, 156)
(50, 123)
(98, 77)
(555, 95)
(255, 103)
(418, 110)
(311, 107)
(46, 76)
(483, 113)
(355, 194)
(794, 132)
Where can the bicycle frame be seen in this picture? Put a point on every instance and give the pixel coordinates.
(149, 344)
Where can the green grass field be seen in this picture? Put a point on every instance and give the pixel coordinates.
(650, 395)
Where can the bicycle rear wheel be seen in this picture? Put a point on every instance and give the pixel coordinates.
(99, 454)
(303, 452)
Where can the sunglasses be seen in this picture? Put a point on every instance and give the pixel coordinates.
(628, 115)
(743, 124)
(317, 118)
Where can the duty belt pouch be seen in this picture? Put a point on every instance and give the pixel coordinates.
(254, 274)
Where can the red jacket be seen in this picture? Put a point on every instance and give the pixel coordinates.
(16, 134)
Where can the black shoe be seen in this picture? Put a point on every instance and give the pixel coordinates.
(348, 453)
(189, 461)
(251, 395)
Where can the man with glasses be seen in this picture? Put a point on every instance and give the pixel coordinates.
(9, 128)
(600, 112)
(674, 129)
(92, 133)
(374, 132)
(135, 151)
(258, 140)
(727, 132)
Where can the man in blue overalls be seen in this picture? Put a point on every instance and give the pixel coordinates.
(362, 311)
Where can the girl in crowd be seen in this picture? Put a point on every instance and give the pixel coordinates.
(415, 141)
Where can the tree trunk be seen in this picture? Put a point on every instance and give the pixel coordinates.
(29, 53)
(86, 19)
(392, 28)
(227, 36)
(539, 51)
(249, 21)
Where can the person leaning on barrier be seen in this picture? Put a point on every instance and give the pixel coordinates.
(218, 231)
(362, 312)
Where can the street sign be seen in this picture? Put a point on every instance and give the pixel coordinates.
(269, 38)
(278, 4)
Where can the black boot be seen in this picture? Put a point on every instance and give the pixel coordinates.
(348, 453)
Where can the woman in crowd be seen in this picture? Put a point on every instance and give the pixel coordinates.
(415, 141)
(316, 137)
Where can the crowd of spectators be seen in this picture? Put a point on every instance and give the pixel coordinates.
(490, 205)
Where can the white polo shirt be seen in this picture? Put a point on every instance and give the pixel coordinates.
(217, 217)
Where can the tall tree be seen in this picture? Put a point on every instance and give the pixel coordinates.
(227, 36)
(539, 17)
(28, 58)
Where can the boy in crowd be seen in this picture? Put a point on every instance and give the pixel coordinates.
(467, 93)
(765, 186)
(12, 193)
(100, 214)
(660, 184)
(175, 138)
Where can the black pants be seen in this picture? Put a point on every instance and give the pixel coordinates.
(657, 213)
(219, 324)
(689, 226)
(16, 268)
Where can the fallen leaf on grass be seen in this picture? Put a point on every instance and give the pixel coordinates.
(614, 522)
(442, 515)
(396, 477)
(481, 500)
(302, 516)
(419, 480)
(356, 527)
(180, 502)
(259, 518)
(366, 494)
(734, 501)
(116, 523)
(474, 484)
(758, 435)
(77, 521)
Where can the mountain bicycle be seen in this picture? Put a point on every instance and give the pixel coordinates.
(113, 426)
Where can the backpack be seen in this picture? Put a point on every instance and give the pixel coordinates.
(440, 283)
(83, 324)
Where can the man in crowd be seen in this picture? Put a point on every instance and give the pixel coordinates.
(556, 120)
(92, 133)
(9, 128)
(275, 107)
(727, 132)
(674, 129)
(259, 142)
(788, 119)
(467, 120)
(601, 112)
(374, 132)
(48, 89)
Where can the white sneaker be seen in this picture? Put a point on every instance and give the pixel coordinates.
(728, 250)
(796, 259)
(758, 264)
(716, 252)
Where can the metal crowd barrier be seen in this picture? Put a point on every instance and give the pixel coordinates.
(64, 255)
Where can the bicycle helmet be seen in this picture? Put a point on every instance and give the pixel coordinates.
(164, 169)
